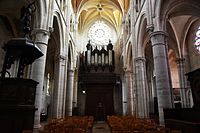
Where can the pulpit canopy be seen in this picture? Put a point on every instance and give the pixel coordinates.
(22, 50)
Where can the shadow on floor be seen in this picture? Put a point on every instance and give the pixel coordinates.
(101, 127)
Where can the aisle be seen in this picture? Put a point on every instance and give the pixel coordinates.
(101, 127)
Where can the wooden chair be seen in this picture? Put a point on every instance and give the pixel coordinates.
(27, 131)
(162, 130)
(44, 131)
(176, 131)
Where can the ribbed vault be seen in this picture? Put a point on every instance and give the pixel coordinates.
(111, 11)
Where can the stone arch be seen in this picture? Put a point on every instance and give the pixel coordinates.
(172, 12)
(150, 76)
(169, 9)
(129, 62)
(193, 54)
(184, 50)
(41, 14)
(7, 31)
(70, 80)
(141, 34)
(55, 39)
(173, 55)
(142, 89)
(170, 15)
(181, 14)
(53, 58)
(60, 31)
(70, 55)
(11, 24)
(8, 26)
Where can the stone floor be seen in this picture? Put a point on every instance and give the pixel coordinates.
(101, 127)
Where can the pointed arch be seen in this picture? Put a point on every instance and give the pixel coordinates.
(71, 55)
(142, 33)
(41, 14)
(171, 8)
(184, 49)
(60, 30)
(129, 59)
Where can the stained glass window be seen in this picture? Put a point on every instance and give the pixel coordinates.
(197, 40)
(99, 33)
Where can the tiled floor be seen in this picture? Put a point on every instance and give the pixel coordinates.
(101, 127)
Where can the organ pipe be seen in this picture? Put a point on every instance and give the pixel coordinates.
(103, 52)
(100, 57)
(92, 60)
(110, 52)
(110, 57)
(96, 56)
(89, 52)
(106, 59)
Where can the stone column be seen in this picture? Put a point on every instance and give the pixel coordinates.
(75, 90)
(158, 40)
(124, 96)
(59, 86)
(187, 83)
(141, 85)
(129, 83)
(183, 83)
(124, 43)
(150, 94)
(44, 96)
(69, 92)
(41, 38)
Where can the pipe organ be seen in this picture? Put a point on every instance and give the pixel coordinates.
(99, 57)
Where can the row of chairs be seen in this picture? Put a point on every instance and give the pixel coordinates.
(130, 124)
(70, 124)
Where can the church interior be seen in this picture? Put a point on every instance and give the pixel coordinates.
(68, 66)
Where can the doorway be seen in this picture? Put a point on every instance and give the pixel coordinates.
(99, 101)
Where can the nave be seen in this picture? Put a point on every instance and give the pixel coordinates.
(62, 58)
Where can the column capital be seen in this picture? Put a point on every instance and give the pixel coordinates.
(128, 71)
(180, 60)
(61, 57)
(41, 36)
(150, 28)
(158, 38)
(44, 31)
(70, 70)
(156, 33)
(142, 59)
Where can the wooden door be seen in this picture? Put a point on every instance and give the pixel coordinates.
(99, 94)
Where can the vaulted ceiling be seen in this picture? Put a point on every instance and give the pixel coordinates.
(111, 11)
